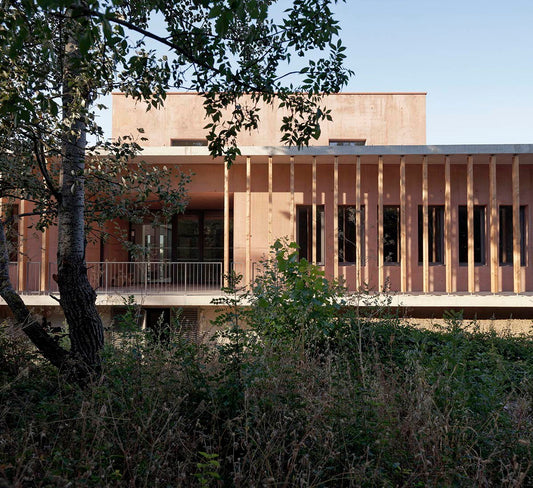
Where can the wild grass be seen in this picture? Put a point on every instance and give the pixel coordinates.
(388, 405)
(298, 389)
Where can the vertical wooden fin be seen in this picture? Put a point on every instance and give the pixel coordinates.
(403, 228)
(226, 224)
(269, 201)
(293, 226)
(470, 222)
(494, 226)
(22, 260)
(45, 239)
(358, 221)
(448, 224)
(336, 218)
(516, 226)
(313, 212)
(425, 224)
(381, 270)
(247, 274)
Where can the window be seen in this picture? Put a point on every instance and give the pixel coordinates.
(12, 230)
(347, 233)
(435, 234)
(506, 235)
(304, 232)
(188, 142)
(479, 234)
(200, 236)
(347, 142)
(391, 234)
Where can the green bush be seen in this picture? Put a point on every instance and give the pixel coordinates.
(369, 402)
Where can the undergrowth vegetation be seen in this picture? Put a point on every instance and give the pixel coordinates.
(297, 389)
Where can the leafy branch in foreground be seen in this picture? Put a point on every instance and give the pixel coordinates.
(57, 57)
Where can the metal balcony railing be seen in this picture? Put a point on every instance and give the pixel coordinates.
(149, 278)
(25, 277)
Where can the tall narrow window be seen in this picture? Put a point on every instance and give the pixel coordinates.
(304, 232)
(479, 234)
(435, 234)
(347, 234)
(506, 235)
(391, 234)
(12, 230)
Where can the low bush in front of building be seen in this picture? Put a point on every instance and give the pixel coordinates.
(364, 400)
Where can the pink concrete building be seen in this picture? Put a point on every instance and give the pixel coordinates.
(369, 201)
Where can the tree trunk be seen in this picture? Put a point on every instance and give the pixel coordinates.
(77, 298)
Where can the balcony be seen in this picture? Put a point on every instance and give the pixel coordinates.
(127, 278)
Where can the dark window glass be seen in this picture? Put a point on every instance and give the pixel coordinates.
(347, 233)
(347, 142)
(200, 236)
(213, 236)
(391, 234)
(506, 235)
(435, 234)
(12, 230)
(188, 142)
(188, 243)
(304, 232)
(479, 234)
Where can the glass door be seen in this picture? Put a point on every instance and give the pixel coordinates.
(156, 242)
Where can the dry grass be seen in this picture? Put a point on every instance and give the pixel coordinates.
(392, 405)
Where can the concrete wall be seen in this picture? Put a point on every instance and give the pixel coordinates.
(378, 118)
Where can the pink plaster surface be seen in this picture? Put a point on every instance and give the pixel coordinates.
(379, 118)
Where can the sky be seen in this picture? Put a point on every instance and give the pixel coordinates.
(472, 57)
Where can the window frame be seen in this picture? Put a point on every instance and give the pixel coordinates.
(341, 220)
(432, 209)
(523, 221)
(320, 233)
(387, 208)
(463, 209)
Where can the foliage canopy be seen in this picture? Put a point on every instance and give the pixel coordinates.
(57, 57)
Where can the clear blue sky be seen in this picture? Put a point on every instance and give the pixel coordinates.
(472, 57)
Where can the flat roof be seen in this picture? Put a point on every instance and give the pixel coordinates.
(420, 150)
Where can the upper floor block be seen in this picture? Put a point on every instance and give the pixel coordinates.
(358, 119)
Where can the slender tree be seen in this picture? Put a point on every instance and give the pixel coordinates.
(57, 57)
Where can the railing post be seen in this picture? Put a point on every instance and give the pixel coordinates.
(147, 267)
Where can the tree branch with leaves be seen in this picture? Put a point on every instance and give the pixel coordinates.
(57, 57)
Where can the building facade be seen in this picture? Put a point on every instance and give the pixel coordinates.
(371, 203)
